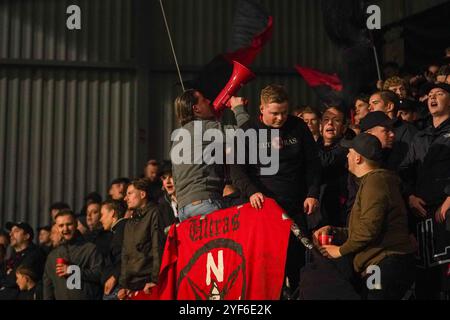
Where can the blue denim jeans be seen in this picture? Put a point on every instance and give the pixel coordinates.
(199, 209)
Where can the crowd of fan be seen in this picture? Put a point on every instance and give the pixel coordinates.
(118, 243)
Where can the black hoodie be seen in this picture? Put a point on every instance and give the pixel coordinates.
(299, 171)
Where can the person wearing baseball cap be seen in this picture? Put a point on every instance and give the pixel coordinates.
(378, 124)
(426, 176)
(442, 86)
(377, 232)
(26, 253)
(407, 110)
(389, 103)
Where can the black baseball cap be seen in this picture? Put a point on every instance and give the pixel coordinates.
(21, 225)
(46, 228)
(366, 145)
(442, 86)
(374, 119)
(408, 105)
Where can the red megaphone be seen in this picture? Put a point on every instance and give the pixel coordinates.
(240, 76)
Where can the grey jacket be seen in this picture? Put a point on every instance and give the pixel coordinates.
(194, 179)
(82, 254)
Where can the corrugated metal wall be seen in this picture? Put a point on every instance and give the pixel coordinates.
(67, 103)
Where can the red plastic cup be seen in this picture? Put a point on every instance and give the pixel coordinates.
(61, 261)
(325, 239)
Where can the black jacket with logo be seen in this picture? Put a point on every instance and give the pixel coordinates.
(299, 172)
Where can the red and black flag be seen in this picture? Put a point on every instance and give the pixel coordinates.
(328, 87)
(252, 29)
(238, 253)
(345, 24)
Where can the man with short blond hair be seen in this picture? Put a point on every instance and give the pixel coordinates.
(295, 186)
(274, 93)
(396, 85)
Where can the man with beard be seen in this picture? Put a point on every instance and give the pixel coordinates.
(25, 253)
(72, 251)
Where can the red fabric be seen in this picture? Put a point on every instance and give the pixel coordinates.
(247, 55)
(244, 250)
(140, 295)
(316, 78)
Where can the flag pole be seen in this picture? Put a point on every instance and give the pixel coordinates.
(298, 233)
(171, 45)
(376, 62)
(374, 48)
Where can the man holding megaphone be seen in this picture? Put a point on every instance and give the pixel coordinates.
(199, 180)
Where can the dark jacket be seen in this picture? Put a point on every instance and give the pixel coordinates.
(166, 210)
(30, 257)
(378, 222)
(101, 239)
(334, 183)
(83, 254)
(114, 257)
(142, 248)
(426, 168)
(404, 134)
(299, 170)
(33, 294)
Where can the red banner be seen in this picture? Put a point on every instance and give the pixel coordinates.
(237, 253)
(316, 78)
